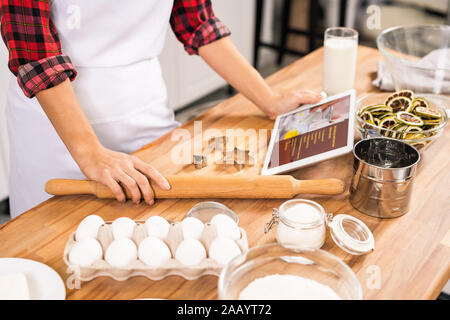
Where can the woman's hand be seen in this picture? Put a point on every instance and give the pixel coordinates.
(288, 101)
(223, 56)
(96, 162)
(110, 168)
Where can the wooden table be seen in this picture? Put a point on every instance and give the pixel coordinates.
(412, 252)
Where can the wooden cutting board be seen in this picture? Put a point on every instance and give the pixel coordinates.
(412, 253)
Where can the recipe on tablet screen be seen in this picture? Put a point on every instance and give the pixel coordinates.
(311, 134)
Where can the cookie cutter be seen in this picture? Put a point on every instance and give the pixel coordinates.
(200, 161)
(239, 158)
(229, 156)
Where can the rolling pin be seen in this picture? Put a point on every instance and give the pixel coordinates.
(205, 187)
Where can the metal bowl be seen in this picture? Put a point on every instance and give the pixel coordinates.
(417, 57)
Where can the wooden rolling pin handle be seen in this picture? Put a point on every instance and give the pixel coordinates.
(63, 187)
(322, 186)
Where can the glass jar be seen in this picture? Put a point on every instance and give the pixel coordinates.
(349, 233)
(309, 233)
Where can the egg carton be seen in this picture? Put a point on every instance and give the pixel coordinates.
(101, 268)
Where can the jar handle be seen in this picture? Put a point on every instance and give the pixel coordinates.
(273, 221)
(328, 218)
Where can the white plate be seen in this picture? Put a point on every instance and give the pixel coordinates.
(43, 282)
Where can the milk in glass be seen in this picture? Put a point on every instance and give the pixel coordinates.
(339, 60)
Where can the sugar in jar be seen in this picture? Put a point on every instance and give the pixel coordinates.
(301, 223)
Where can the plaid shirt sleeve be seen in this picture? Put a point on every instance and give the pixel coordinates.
(195, 24)
(35, 55)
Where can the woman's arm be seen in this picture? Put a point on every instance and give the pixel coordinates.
(201, 32)
(229, 63)
(43, 71)
(34, 50)
(96, 162)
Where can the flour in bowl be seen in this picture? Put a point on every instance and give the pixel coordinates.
(287, 287)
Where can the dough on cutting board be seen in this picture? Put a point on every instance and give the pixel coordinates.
(14, 286)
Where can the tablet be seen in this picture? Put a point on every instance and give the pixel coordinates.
(311, 133)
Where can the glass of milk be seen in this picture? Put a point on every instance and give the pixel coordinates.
(339, 64)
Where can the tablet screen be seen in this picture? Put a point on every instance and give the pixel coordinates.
(311, 134)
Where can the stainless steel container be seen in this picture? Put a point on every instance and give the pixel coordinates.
(382, 182)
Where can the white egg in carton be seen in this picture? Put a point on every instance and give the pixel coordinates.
(154, 248)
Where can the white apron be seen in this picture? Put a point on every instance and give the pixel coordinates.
(114, 46)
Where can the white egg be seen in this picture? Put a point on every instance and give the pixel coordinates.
(223, 250)
(157, 227)
(192, 228)
(190, 252)
(123, 227)
(121, 252)
(154, 252)
(88, 227)
(226, 227)
(85, 252)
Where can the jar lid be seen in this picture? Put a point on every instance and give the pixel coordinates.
(351, 234)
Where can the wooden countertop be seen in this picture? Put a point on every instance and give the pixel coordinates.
(412, 252)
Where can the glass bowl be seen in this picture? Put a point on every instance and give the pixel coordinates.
(417, 58)
(206, 210)
(271, 259)
(438, 102)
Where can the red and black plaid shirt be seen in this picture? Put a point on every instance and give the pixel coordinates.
(35, 55)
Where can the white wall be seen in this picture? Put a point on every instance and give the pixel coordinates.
(4, 78)
(188, 77)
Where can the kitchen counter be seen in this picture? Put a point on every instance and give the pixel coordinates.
(412, 253)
